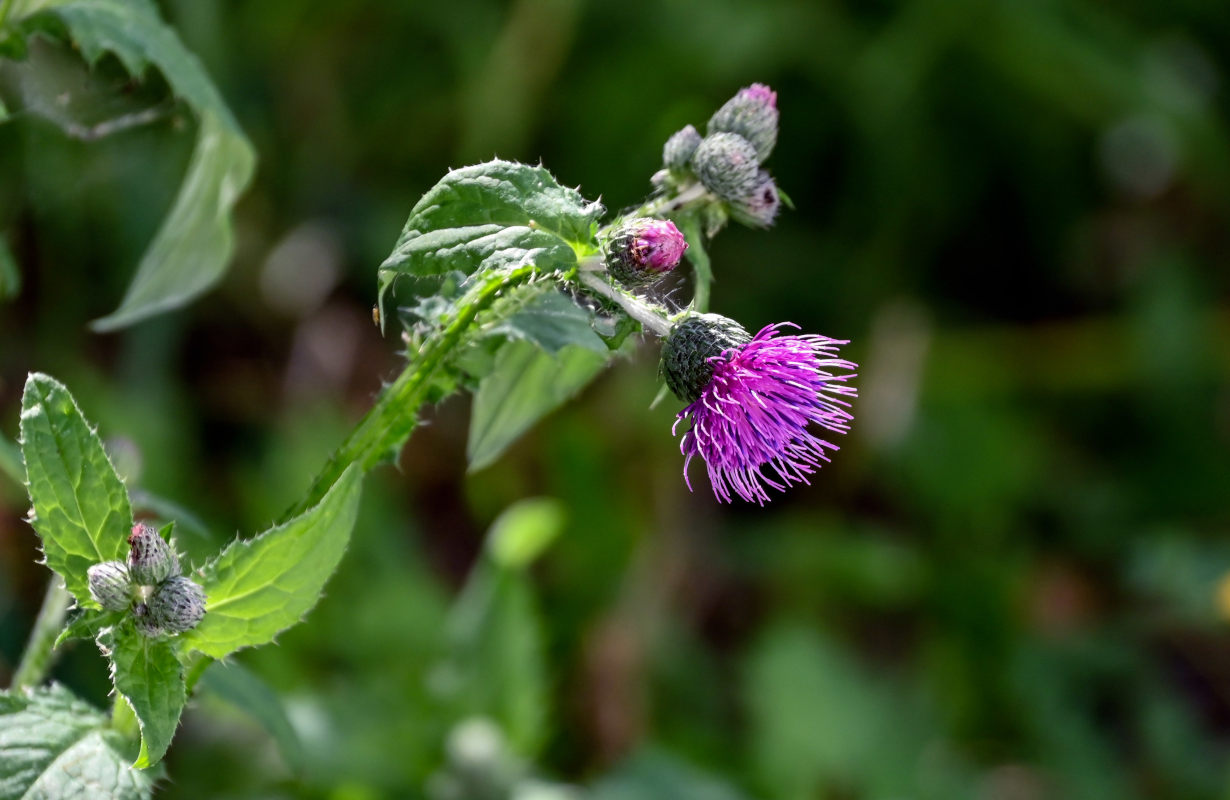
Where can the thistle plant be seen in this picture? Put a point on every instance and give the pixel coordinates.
(521, 295)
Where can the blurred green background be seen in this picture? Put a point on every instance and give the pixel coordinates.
(1012, 583)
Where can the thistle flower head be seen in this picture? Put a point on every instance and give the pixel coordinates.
(177, 605)
(759, 208)
(751, 113)
(642, 250)
(751, 420)
(726, 164)
(110, 585)
(150, 560)
(678, 150)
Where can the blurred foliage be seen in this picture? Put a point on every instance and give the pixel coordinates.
(1011, 582)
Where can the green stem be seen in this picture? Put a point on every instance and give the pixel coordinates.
(4, 11)
(37, 657)
(385, 428)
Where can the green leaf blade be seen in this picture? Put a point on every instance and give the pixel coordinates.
(258, 588)
(148, 674)
(192, 247)
(81, 509)
(524, 386)
(53, 745)
(495, 214)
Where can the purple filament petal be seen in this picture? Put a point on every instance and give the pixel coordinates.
(751, 424)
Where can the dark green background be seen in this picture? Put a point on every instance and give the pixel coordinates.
(1011, 582)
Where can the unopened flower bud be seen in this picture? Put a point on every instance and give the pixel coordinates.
(691, 343)
(151, 560)
(110, 585)
(726, 164)
(642, 250)
(177, 605)
(759, 208)
(678, 150)
(144, 622)
(752, 113)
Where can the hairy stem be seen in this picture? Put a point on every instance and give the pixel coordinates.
(385, 428)
(669, 204)
(37, 657)
(640, 311)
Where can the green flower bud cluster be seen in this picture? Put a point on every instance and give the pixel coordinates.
(727, 161)
(149, 586)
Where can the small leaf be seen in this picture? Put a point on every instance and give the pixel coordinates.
(258, 588)
(245, 691)
(191, 249)
(525, 385)
(88, 624)
(496, 214)
(53, 745)
(149, 676)
(524, 531)
(689, 225)
(550, 319)
(81, 509)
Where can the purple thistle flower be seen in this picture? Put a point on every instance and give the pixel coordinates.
(752, 113)
(642, 250)
(750, 421)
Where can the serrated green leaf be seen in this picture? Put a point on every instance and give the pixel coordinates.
(10, 277)
(81, 509)
(496, 214)
(190, 252)
(702, 271)
(54, 746)
(244, 690)
(88, 624)
(148, 674)
(550, 319)
(525, 385)
(258, 588)
(524, 530)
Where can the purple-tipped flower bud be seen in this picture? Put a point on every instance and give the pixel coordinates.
(110, 585)
(726, 164)
(642, 250)
(752, 113)
(759, 208)
(151, 560)
(678, 150)
(177, 605)
(687, 351)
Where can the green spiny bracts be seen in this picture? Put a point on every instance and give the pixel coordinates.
(752, 114)
(726, 164)
(691, 343)
(177, 605)
(111, 585)
(678, 150)
(151, 560)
